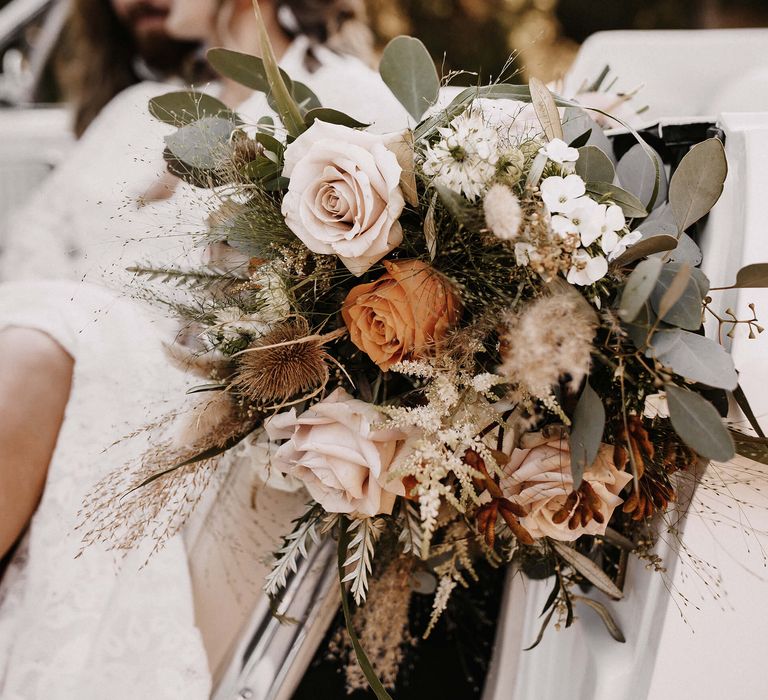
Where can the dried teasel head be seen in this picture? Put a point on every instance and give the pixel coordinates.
(284, 363)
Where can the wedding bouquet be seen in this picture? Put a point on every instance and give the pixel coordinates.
(480, 338)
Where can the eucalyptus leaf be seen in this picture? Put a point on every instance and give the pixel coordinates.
(698, 182)
(186, 107)
(577, 122)
(630, 205)
(594, 166)
(243, 69)
(637, 174)
(332, 116)
(686, 312)
(203, 143)
(674, 291)
(270, 144)
(686, 251)
(610, 624)
(588, 569)
(640, 284)
(699, 424)
(546, 109)
(408, 71)
(305, 98)
(752, 276)
(586, 433)
(581, 139)
(695, 357)
(644, 248)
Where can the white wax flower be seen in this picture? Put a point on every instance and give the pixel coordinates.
(560, 152)
(604, 225)
(587, 269)
(623, 243)
(561, 194)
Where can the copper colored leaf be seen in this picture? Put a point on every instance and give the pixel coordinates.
(546, 109)
(588, 569)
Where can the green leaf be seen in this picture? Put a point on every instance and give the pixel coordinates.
(698, 182)
(588, 569)
(581, 140)
(365, 665)
(640, 284)
(242, 68)
(613, 629)
(202, 144)
(279, 87)
(586, 433)
(676, 288)
(332, 116)
(753, 448)
(699, 424)
(752, 276)
(645, 247)
(694, 357)
(743, 403)
(594, 166)
(546, 109)
(543, 627)
(306, 99)
(630, 205)
(408, 71)
(182, 108)
(638, 174)
(271, 144)
(686, 310)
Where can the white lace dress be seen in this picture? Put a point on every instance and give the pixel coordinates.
(96, 626)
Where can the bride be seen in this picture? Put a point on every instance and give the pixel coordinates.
(83, 367)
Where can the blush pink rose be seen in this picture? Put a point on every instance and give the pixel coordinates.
(335, 451)
(538, 477)
(344, 195)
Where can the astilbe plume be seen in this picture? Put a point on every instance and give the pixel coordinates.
(549, 339)
(283, 363)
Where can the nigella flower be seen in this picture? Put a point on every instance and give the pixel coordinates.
(560, 152)
(465, 158)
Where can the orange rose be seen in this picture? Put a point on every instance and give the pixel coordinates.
(402, 314)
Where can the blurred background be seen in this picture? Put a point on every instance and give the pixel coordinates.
(477, 35)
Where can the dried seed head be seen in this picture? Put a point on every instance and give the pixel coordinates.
(282, 364)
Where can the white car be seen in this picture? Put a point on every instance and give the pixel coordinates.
(34, 137)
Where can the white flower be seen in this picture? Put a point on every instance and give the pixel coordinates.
(523, 253)
(344, 194)
(624, 243)
(583, 215)
(604, 224)
(586, 269)
(561, 194)
(465, 159)
(503, 214)
(560, 152)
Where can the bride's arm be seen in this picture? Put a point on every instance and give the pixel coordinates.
(35, 379)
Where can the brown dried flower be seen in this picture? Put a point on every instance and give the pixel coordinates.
(281, 364)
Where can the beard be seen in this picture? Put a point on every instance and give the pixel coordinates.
(158, 50)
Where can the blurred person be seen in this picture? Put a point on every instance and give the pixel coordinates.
(113, 44)
(83, 365)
